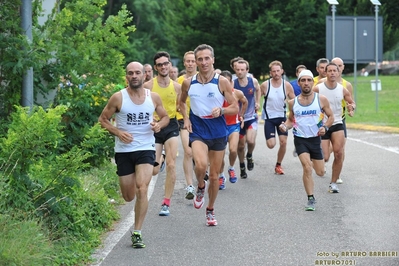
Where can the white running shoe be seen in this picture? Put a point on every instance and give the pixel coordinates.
(339, 181)
(199, 197)
(190, 191)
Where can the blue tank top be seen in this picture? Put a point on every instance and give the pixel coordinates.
(203, 98)
(249, 92)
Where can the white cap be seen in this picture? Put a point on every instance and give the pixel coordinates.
(305, 72)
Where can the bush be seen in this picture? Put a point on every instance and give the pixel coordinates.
(24, 243)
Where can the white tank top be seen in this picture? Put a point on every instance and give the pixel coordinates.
(274, 103)
(335, 97)
(135, 119)
(308, 118)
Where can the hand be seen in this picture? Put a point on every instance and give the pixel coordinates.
(283, 127)
(125, 137)
(216, 112)
(155, 127)
(322, 131)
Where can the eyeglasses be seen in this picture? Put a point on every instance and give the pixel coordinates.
(162, 64)
(308, 80)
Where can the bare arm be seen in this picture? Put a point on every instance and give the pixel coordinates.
(225, 88)
(161, 112)
(182, 104)
(244, 102)
(288, 124)
(178, 92)
(264, 88)
(113, 106)
(289, 90)
(350, 102)
(257, 94)
(325, 105)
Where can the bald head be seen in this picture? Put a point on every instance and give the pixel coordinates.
(135, 75)
(340, 63)
(134, 64)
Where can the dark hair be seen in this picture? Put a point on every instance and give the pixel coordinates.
(331, 64)
(299, 67)
(161, 54)
(226, 73)
(235, 59)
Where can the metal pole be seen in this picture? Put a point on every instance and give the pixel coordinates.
(355, 58)
(27, 82)
(333, 9)
(376, 58)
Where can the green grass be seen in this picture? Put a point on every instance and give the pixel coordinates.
(388, 102)
(366, 112)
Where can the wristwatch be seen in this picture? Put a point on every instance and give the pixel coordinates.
(325, 127)
(221, 111)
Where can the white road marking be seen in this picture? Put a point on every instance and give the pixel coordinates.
(391, 149)
(120, 230)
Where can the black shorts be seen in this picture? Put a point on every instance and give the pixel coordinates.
(170, 131)
(218, 144)
(331, 130)
(272, 125)
(309, 145)
(181, 124)
(127, 161)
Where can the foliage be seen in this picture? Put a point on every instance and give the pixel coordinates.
(85, 53)
(40, 181)
(24, 243)
(290, 31)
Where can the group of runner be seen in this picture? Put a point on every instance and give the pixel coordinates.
(209, 110)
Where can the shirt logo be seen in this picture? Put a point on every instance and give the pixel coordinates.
(211, 95)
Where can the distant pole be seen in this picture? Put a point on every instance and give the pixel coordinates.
(27, 82)
(376, 3)
(333, 4)
(376, 58)
(333, 10)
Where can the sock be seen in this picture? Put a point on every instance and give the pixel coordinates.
(310, 197)
(166, 202)
(249, 155)
(278, 164)
(207, 209)
(242, 165)
(231, 167)
(137, 231)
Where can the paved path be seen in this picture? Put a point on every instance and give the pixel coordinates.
(262, 219)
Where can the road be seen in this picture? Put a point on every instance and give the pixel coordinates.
(261, 220)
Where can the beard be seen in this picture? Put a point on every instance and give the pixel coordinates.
(135, 84)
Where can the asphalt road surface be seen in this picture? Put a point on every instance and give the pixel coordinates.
(262, 221)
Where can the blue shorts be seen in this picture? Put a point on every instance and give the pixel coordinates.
(250, 124)
(233, 128)
(272, 125)
(126, 161)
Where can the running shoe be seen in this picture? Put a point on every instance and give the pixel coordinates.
(311, 205)
(294, 153)
(339, 181)
(137, 240)
(222, 180)
(210, 218)
(250, 163)
(232, 176)
(164, 210)
(278, 170)
(190, 190)
(333, 188)
(243, 174)
(199, 197)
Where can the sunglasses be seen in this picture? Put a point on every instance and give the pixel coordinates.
(162, 64)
